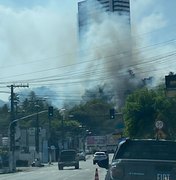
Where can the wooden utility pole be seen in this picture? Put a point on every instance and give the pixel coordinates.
(12, 161)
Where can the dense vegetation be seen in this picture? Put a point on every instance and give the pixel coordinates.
(91, 114)
(141, 110)
(146, 106)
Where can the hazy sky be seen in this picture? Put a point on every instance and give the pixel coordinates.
(38, 41)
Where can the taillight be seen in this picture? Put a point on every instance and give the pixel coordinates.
(116, 171)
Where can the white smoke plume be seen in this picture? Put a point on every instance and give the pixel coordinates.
(37, 38)
(111, 45)
(126, 59)
(34, 38)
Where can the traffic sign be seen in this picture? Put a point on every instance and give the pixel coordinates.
(159, 124)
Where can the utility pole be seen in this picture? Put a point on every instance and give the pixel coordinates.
(37, 131)
(63, 119)
(50, 115)
(37, 128)
(12, 161)
(62, 111)
(49, 141)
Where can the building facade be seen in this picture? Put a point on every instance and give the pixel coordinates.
(122, 7)
(87, 8)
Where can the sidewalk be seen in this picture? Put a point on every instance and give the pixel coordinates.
(30, 168)
(4, 170)
(20, 169)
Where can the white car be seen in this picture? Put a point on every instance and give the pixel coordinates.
(82, 155)
(99, 156)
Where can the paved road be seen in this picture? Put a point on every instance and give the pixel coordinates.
(85, 172)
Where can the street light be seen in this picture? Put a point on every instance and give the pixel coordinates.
(85, 133)
(11, 129)
(62, 111)
(37, 130)
(37, 125)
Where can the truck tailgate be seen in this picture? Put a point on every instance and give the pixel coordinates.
(149, 169)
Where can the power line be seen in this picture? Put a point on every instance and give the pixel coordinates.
(109, 61)
(75, 64)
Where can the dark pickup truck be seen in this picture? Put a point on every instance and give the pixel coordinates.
(67, 158)
(143, 160)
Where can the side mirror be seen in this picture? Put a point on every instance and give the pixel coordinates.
(104, 163)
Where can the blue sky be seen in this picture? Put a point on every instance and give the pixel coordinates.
(154, 21)
(153, 14)
(38, 39)
(34, 3)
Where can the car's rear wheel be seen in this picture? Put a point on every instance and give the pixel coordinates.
(94, 162)
(77, 166)
(60, 167)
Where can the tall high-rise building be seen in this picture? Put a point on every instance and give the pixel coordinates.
(87, 7)
(119, 6)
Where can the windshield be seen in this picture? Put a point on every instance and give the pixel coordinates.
(68, 156)
(68, 153)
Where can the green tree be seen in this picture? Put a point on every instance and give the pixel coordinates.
(143, 108)
(94, 114)
(4, 119)
(31, 105)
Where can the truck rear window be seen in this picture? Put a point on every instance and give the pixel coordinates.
(68, 156)
(68, 153)
(158, 150)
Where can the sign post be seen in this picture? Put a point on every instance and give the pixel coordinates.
(159, 125)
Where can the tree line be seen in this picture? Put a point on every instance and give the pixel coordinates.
(141, 110)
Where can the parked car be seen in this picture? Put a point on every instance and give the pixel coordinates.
(68, 158)
(99, 156)
(142, 160)
(82, 156)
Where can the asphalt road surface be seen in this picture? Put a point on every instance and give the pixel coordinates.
(85, 172)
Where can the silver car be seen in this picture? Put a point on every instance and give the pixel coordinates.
(99, 156)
